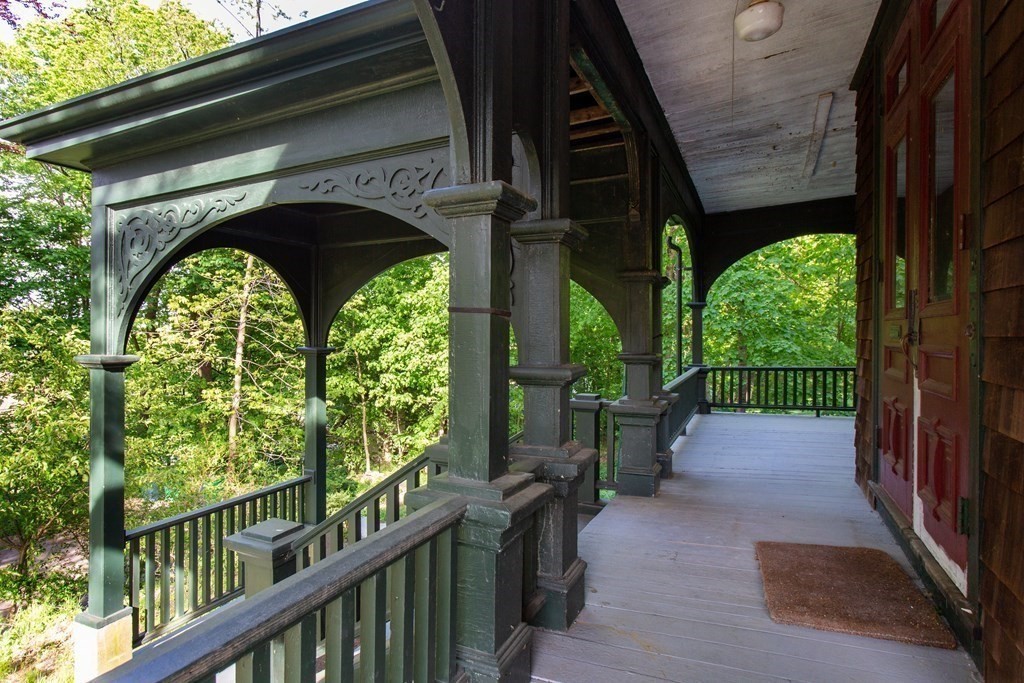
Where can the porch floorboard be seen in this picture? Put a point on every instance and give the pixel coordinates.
(673, 587)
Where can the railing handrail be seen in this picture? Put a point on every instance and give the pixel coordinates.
(184, 517)
(781, 367)
(683, 378)
(361, 500)
(217, 642)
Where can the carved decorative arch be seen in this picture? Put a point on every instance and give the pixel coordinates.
(145, 240)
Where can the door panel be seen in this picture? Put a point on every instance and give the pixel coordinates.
(943, 258)
(925, 339)
(896, 466)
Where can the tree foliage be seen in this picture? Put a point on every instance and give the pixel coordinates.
(791, 303)
(44, 218)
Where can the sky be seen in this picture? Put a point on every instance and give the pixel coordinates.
(216, 11)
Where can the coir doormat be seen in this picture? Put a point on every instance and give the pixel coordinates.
(850, 590)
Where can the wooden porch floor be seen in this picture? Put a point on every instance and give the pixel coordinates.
(673, 587)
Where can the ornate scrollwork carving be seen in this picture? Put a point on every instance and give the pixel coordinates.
(401, 186)
(144, 233)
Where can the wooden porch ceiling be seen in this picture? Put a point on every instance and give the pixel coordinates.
(772, 125)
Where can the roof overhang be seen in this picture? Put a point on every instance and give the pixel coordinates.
(347, 55)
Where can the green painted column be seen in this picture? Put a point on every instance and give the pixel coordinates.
(493, 640)
(480, 313)
(697, 353)
(640, 410)
(103, 635)
(315, 458)
(546, 375)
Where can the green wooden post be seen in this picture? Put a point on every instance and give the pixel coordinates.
(103, 637)
(640, 410)
(588, 416)
(315, 459)
(265, 552)
(697, 358)
(547, 448)
(493, 640)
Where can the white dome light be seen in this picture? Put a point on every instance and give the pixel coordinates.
(761, 19)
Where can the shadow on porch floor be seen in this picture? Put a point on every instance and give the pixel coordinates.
(673, 587)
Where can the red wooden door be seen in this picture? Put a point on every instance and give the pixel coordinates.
(943, 339)
(897, 391)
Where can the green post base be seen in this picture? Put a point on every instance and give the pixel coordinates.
(665, 462)
(639, 482)
(101, 644)
(511, 663)
(492, 639)
(565, 598)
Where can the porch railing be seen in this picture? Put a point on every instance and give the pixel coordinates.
(687, 388)
(370, 512)
(405, 570)
(596, 427)
(821, 389)
(179, 568)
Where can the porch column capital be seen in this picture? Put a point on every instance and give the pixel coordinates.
(110, 363)
(643, 276)
(560, 231)
(315, 350)
(639, 358)
(493, 198)
(547, 375)
(697, 305)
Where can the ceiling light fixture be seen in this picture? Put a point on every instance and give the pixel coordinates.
(761, 19)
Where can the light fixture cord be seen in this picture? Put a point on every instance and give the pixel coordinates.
(732, 76)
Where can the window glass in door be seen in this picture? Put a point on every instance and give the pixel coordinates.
(941, 238)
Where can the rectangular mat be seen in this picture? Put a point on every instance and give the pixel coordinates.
(862, 591)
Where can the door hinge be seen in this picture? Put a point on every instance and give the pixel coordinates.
(963, 518)
(878, 436)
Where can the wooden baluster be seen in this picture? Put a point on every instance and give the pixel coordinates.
(392, 505)
(446, 554)
(179, 570)
(150, 581)
(218, 553)
(165, 575)
(373, 628)
(207, 565)
(425, 648)
(134, 584)
(609, 458)
(340, 642)
(402, 591)
(353, 532)
(230, 559)
(193, 560)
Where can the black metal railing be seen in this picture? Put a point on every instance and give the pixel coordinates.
(821, 389)
(386, 606)
(179, 568)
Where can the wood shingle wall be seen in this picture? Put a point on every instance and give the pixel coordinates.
(865, 272)
(1002, 557)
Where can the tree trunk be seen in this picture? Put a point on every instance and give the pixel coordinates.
(235, 416)
(362, 401)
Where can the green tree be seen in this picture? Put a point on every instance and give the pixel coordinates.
(387, 381)
(594, 342)
(44, 218)
(791, 303)
(215, 405)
